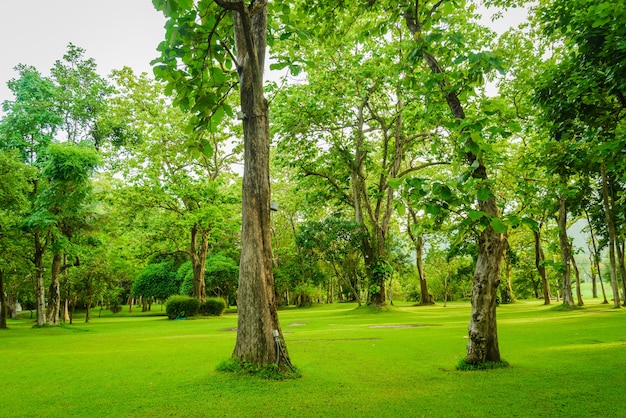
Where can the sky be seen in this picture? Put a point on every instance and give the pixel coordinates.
(115, 33)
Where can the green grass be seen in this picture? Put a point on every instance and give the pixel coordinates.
(400, 363)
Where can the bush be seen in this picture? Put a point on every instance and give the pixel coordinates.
(213, 306)
(181, 307)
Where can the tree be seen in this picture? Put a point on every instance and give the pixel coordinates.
(67, 171)
(194, 31)
(158, 281)
(29, 127)
(582, 93)
(15, 186)
(174, 181)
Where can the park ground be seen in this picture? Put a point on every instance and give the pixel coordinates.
(353, 362)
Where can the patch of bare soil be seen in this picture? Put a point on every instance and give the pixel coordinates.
(404, 325)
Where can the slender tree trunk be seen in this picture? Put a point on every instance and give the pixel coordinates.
(507, 295)
(418, 244)
(622, 267)
(568, 298)
(596, 257)
(594, 284)
(608, 211)
(257, 312)
(54, 292)
(425, 297)
(4, 307)
(541, 268)
(346, 280)
(579, 294)
(66, 313)
(40, 292)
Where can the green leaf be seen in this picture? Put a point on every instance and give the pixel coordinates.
(484, 193)
(400, 208)
(498, 225)
(475, 214)
(395, 183)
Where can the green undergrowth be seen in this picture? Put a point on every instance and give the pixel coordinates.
(268, 372)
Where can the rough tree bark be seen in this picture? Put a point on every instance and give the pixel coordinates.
(257, 312)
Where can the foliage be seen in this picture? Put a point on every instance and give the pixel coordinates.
(305, 295)
(157, 280)
(213, 306)
(181, 307)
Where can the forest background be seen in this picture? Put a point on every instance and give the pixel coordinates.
(113, 196)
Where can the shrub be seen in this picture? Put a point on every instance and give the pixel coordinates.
(213, 306)
(181, 307)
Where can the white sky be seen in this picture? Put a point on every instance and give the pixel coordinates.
(116, 33)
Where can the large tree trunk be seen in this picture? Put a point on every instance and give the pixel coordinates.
(568, 298)
(257, 312)
(608, 211)
(4, 307)
(541, 268)
(483, 333)
(54, 292)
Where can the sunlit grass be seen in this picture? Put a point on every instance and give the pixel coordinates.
(353, 362)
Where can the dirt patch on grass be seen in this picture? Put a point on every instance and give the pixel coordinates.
(403, 326)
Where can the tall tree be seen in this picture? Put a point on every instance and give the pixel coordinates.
(68, 172)
(210, 38)
(15, 186)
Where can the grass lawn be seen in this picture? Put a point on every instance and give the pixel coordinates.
(354, 363)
